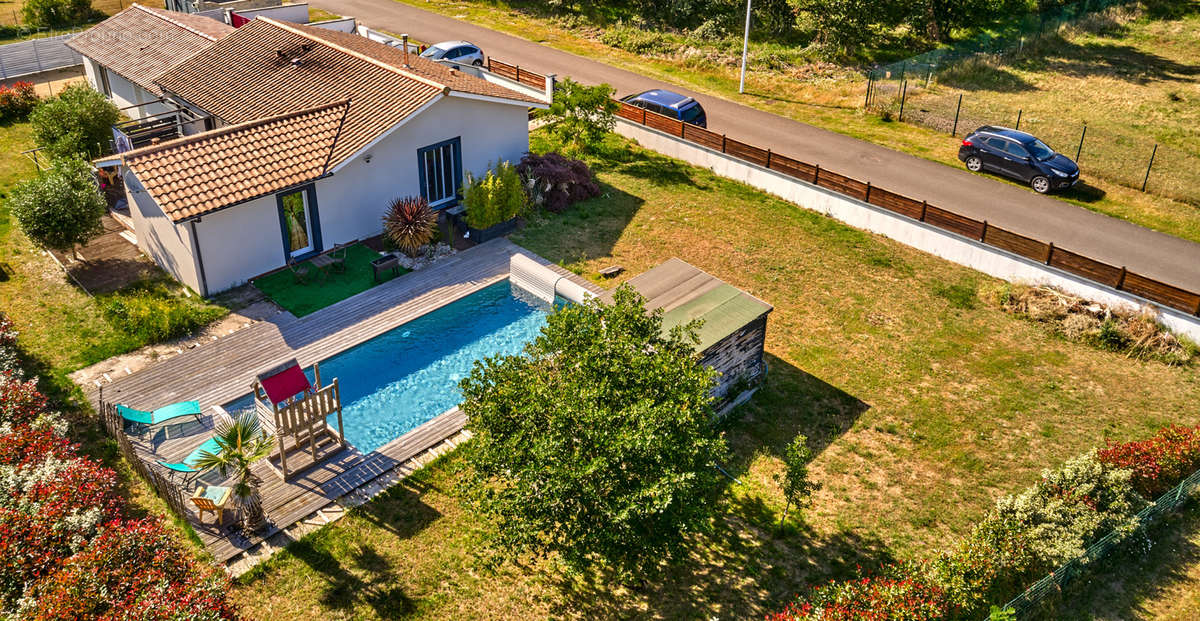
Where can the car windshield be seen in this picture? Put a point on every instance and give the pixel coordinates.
(1039, 150)
(434, 53)
(691, 114)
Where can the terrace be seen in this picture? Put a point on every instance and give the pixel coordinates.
(224, 370)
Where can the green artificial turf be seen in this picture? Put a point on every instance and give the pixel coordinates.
(321, 291)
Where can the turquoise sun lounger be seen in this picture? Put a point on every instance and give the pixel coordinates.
(186, 468)
(143, 421)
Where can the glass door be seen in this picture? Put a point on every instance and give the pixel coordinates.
(296, 219)
(441, 172)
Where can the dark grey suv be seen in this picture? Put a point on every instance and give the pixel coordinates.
(1019, 155)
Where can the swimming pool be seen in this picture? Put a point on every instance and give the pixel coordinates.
(398, 380)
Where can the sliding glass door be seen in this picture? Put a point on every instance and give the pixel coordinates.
(441, 172)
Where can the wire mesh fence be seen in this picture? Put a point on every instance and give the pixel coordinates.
(1036, 597)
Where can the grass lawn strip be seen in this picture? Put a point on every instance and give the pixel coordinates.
(323, 287)
(923, 403)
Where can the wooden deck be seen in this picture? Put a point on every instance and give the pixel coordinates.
(223, 370)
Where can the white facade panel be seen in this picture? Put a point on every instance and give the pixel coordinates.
(240, 242)
(169, 244)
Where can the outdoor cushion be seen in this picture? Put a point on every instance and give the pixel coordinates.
(188, 463)
(286, 384)
(161, 415)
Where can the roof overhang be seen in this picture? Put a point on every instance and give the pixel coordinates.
(500, 100)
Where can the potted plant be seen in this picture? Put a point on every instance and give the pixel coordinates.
(242, 442)
(494, 202)
(409, 224)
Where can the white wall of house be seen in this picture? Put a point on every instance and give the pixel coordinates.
(352, 202)
(240, 242)
(170, 245)
(91, 69)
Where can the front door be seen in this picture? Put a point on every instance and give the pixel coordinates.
(297, 222)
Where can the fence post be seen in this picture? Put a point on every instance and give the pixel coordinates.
(36, 57)
(643, 116)
(816, 174)
(518, 73)
(1049, 252)
(722, 137)
(867, 198)
(867, 96)
(768, 158)
(489, 64)
(983, 233)
(1120, 279)
(1149, 166)
(1019, 111)
(1081, 137)
(903, 97)
(924, 206)
(929, 76)
(954, 132)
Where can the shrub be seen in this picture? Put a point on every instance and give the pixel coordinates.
(797, 488)
(57, 13)
(22, 445)
(903, 592)
(496, 197)
(638, 41)
(580, 116)
(151, 314)
(409, 223)
(61, 207)
(132, 570)
(1158, 464)
(10, 360)
(989, 565)
(1072, 507)
(76, 123)
(555, 182)
(17, 101)
(20, 401)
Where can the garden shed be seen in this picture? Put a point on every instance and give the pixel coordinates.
(734, 331)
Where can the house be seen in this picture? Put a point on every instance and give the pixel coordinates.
(310, 134)
(126, 53)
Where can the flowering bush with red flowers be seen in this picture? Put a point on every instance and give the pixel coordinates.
(132, 570)
(17, 101)
(20, 401)
(902, 593)
(1160, 463)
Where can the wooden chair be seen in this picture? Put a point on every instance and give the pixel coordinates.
(212, 498)
(300, 271)
(337, 258)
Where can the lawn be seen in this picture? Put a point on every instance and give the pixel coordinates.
(323, 288)
(829, 96)
(922, 400)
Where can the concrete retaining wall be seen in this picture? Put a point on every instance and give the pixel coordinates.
(961, 250)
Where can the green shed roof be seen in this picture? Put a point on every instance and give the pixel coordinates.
(686, 293)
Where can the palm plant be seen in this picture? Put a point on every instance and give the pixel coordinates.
(409, 223)
(242, 443)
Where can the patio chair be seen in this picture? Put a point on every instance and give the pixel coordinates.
(186, 469)
(300, 271)
(212, 499)
(142, 422)
(337, 258)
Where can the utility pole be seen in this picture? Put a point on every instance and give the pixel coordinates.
(745, 48)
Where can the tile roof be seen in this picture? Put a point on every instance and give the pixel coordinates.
(141, 43)
(251, 74)
(202, 173)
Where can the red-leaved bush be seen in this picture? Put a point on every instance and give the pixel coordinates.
(23, 445)
(1159, 463)
(556, 182)
(132, 570)
(902, 592)
(20, 401)
(17, 101)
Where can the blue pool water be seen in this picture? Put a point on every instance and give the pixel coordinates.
(395, 382)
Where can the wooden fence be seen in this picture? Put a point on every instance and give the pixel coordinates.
(979, 230)
(162, 485)
(1047, 253)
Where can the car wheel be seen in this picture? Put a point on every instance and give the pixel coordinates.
(478, 62)
(1040, 184)
(974, 164)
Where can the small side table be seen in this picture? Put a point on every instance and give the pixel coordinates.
(385, 263)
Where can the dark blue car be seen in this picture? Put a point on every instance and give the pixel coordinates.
(670, 104)
(1019, 155)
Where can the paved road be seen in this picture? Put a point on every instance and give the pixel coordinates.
(1114, 241)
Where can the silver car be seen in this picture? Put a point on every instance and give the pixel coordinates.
(463, 52)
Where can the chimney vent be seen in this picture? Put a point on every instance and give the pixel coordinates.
(279, 52)
(404, 44)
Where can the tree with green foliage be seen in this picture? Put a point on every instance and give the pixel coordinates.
(241, 443)
(842, 27)
(597, 444)
(797, 488)
(496, 197)
(58, 13)
(61, 207)
(76, 123)
(581, 115)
